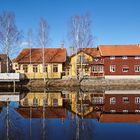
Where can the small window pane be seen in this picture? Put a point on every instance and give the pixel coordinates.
(55, 68)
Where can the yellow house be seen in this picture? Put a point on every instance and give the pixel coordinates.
(51, 99)
(78, 106)
(39, 63)
(80, 62)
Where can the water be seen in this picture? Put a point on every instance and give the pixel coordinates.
(70, 115)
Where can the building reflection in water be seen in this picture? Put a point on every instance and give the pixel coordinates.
(105, 106)
(97, 104)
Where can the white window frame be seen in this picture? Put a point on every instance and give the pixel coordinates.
(112, 68)
(112, 57)
(112, 100)
(137, 68)
(112, 111)
(124, 57)
(97, 69)
(137, 111)
(125, 98)
(137, 100)
(98, 100)
(127, 69)
(125, 111)
(35, 68)
(137, 57)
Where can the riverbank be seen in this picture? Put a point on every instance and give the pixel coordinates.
(86, 84)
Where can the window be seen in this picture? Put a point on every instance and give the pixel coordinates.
(45, 68)
(55, 102)
(96, 59)
(97, 68)
(35, 101)
(137, 100)
(137, 57)
(125, 111)
(55, 68)
(45, 102)
(25, 68)
(125, 99)
(35, 68)
(137, 111)
(81, 59)
(124, 57)
(137, 68)
(112, 57)
(97, 100)
(25, 102)
(125, 69)
(112, 111)
(112, 68)
(112, 100)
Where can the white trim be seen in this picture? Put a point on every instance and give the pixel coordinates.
(122, 77)
(122, 92)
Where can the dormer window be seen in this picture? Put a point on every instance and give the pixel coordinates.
(124, 57)
(96, 59)
(112, 57)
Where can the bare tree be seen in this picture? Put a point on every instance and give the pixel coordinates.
(30, 33)
(80, 34)
(80, 31)
(43, 39)
(9, 34)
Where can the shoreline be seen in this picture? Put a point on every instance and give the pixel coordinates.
(86, 84)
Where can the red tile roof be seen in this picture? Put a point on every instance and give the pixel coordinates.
(51, 55)
(90, 51)
(50, 112)
(119, 50)
(120, 118)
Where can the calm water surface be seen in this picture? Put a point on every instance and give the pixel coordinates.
(70, 115)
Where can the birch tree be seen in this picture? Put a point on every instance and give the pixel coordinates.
(9, 34)
(80, 33)
(43, 39)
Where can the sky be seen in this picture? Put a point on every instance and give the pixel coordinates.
(113, 21)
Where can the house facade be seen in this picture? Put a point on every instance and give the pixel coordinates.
(120, 60)
(80, 62)
(51, 99)
(122, 102)
(32, 63)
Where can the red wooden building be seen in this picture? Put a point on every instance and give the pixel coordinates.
(120, 59)
(122, 102)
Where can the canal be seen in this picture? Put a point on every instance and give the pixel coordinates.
(70, 115)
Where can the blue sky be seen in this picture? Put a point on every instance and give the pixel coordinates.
(113, 21)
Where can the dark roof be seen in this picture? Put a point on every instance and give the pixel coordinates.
(50, 112)
(119, 50)
(51, 55)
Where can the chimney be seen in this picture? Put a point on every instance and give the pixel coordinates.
(71, 51)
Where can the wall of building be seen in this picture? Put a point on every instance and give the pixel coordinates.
(119, 63)
(39, 74)
(120, 105)
(41, 96)
(73, 72)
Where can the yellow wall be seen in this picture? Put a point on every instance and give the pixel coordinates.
(72, 71)
(39, 74)
(75, 98)
(41, 96)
